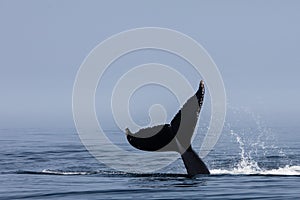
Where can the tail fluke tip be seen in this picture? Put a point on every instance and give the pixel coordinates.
(127, 131)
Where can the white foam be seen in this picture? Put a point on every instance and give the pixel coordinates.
(47, 171)
(285, 171)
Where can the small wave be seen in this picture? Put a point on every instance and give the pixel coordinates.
(284, 171)
(58, 172)
(100, 172)
(64, 172)
(47, 171)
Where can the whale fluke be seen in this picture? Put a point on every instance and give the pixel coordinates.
(152, 138)
(175, 136)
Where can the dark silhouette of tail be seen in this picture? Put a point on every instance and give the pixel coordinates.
(175, 136)
(193, 163)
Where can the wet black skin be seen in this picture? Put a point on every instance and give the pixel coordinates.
(175, 136)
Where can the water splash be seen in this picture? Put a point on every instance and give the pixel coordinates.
(247, 165)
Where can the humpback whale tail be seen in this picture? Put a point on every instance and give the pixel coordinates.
(175, 136)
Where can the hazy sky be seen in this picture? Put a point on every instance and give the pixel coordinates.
(255, 44)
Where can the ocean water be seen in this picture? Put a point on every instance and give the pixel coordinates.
(247, 163)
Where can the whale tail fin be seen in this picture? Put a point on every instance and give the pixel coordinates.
(175, 136)
(182, 127)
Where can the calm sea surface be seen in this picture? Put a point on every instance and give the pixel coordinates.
(247, 163)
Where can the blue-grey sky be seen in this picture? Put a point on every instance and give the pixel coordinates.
(255, 44)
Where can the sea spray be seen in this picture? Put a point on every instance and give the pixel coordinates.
(247, 165)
